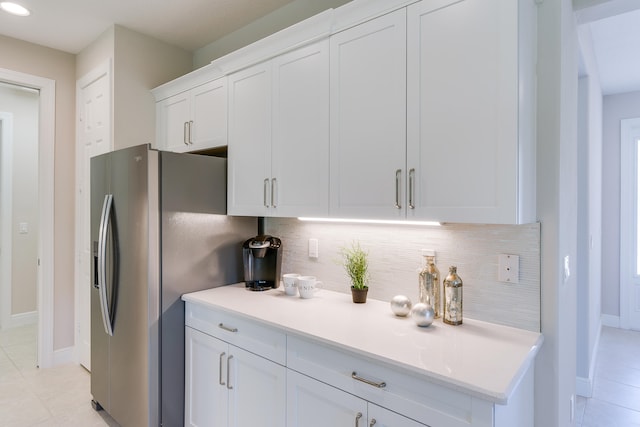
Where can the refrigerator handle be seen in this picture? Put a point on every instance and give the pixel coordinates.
(105, 220)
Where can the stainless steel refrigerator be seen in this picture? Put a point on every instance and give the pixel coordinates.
(159, 229)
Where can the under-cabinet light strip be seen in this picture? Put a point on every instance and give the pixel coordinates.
(370, 221)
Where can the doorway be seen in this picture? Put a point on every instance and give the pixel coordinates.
(45, 209)
(19, 107)
(629, 224)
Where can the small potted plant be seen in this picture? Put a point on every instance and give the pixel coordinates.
(355, 261)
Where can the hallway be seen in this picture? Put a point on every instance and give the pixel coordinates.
(616, 391)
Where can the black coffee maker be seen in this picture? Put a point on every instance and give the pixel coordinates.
(262, 256)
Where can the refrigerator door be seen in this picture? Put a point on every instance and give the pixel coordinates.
(129, 345)
(99, 339)
(120, 362)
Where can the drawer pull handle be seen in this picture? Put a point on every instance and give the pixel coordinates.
(381, 384)
(358, 416)
(227, 328)
(373, 422)
(220, 370)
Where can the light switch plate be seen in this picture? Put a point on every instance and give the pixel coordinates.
(508, 268)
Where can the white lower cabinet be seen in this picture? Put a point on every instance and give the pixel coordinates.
(228, 386)
(311, 403)
(243, 373)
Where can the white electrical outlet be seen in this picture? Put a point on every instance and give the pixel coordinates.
(508, 268)
(313, 248)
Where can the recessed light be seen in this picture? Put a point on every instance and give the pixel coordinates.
(14, 8)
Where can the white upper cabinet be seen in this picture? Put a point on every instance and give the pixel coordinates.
(193, 120)
(470, 116)
(249, 148)
(279, 135)
(368, 125)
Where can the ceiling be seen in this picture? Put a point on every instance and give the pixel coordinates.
(615, 30)
(71, 25)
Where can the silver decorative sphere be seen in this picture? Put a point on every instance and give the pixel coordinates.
(422, 314)
(400, 305)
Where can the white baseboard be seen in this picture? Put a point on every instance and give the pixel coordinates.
(21, 319)
(611, 320)
(63, 356)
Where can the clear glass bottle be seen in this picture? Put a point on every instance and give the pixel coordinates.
(429, 283)
(452, 297)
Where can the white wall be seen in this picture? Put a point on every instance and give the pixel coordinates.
(589, 263)
(557, 209)
(615, 108)
(294, 12)
(23, 104)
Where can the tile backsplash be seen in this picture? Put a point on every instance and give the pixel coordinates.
(395, 259)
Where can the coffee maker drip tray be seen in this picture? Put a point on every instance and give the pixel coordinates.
(260, 285)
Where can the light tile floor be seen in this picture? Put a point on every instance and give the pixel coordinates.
(33, 397)
(616, 385)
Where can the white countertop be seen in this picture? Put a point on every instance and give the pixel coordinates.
(479, 358)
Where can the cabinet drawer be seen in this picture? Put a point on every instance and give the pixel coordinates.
(416, 398)
(241, 332)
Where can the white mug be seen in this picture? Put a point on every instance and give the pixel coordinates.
(308, 286)
(290, 283)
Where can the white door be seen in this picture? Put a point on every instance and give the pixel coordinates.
(208, 125)
(173, 115)
(368, 119)
(249, 163)
(462, 134)
(311, 403)
(94, 138)
(300, 145)
(381, 417)
(629, 224)
(257, 389)
(206, 394)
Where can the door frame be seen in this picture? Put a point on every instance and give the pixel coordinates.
(6, 168)
(628, 217)
(46, 151)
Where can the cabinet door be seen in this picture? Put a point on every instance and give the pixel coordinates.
(311, 403)
(381, 417)
(208, 126)
(249, 149)
(300, 146)
(257, 390)
(462, 147)
(173, 115)
(206, 397)
(368, 119)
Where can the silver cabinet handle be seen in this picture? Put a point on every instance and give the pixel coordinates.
(190, 140)
(227, 328)
(185, 130)
(412, 174)
(273, 192)
(398, 205)
(373, 422)
(265, 184)
(105, 220)
(220, 370)
(381, 384)
(358, 416)
(229, 387)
